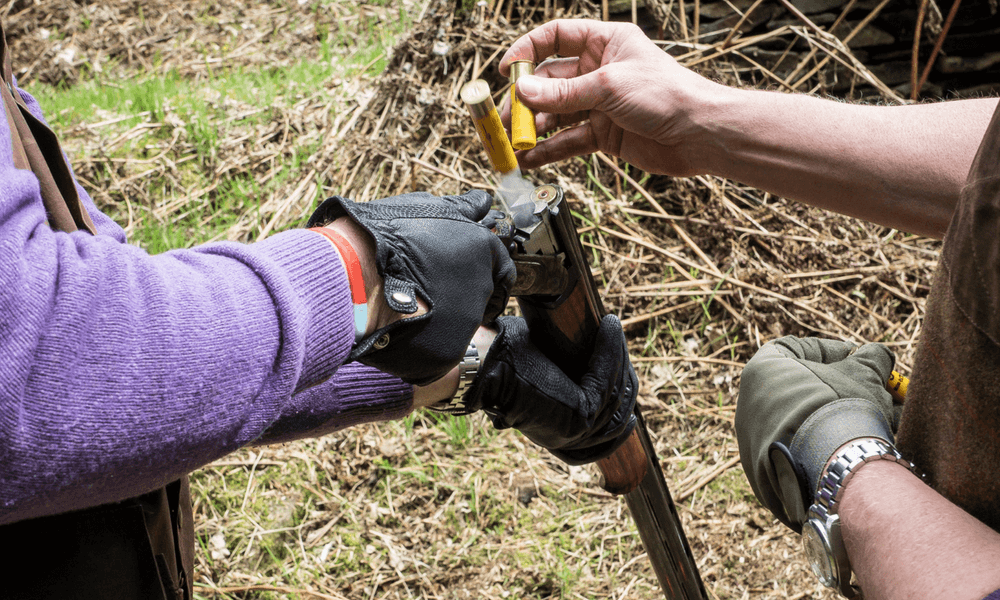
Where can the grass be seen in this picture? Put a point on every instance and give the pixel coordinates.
(187, 120)
(543, 544)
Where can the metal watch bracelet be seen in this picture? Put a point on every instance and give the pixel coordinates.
(822, 536)
(467, 371)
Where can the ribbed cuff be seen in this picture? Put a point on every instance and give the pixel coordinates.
(355, 394)
(367, 394)
(318, 276)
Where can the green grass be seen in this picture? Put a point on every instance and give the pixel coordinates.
(198, 115)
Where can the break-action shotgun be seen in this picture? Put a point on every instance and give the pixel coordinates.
(558, 297)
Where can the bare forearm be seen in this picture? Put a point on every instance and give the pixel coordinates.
(907, 541)
(900, 166)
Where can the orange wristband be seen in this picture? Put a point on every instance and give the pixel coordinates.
(355, 278)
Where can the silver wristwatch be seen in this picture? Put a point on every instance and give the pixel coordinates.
(821, 535)
(467, 371)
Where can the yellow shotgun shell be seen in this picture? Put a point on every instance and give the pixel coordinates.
(476, 95)
(522, 120)
(897, 386)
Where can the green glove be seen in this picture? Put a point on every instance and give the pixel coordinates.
(800, 400)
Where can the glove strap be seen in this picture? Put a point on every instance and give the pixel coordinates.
(355, 278)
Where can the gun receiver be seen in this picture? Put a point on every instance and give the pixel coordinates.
(556, 293)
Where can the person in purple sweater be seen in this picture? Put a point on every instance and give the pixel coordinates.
(123, 371)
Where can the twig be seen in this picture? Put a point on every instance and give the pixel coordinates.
(937, 44)
(713, 268)
(635, 184)
(629, 322)
(697, 16)
(859, 306)
(835, 272)
(674, 257)
(847, 39)
(695, 359)
(431, 167)
(264, 588)
(682, 15)
(765, 71)
(744, 230)
(744, 42)
(843, 15)
(854, 65)
(802, 17)
(296, 195)
(479, 70)
(253, 469)
(917, 31)
(736, 28)
(708, 478)
(652, 287)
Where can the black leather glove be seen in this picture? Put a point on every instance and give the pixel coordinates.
(800, 400)
(433, 248)
(520, 387)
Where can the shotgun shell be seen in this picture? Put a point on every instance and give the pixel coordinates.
(476, 95)
(522, 120)
(897, 386)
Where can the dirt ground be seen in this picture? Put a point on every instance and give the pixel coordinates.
(702, 271)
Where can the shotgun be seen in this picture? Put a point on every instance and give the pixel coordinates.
(558, 298)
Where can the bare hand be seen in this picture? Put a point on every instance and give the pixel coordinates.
(615, 90)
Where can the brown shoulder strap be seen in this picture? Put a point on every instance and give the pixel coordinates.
(6, 96)
(37, 148)
(20, 158)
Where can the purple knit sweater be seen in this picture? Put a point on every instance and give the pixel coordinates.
(121, 371)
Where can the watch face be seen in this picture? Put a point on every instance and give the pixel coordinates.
(819, 553)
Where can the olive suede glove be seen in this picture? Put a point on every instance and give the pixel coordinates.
(520, 387)
(799, 401)
(432, 248)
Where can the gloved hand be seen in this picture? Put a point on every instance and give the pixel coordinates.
(432, 248)
(520, 387)
(800, 400)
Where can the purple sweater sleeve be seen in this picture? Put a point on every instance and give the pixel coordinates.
(122, 371)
